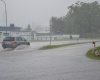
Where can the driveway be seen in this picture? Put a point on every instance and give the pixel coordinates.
(66, 63)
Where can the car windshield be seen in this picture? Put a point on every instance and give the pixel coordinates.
(9, 39)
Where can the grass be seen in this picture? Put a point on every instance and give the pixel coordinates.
(58, 46)
(53, 40)
(90, 55)
(54, 46)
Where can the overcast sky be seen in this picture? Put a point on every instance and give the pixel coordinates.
(34, 12)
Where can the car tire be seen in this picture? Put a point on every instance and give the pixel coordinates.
(4, 48)
(28, 44)
(17, 45)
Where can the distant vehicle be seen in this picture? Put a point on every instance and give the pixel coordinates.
(13, 42)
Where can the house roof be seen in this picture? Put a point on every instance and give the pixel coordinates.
(15, 29)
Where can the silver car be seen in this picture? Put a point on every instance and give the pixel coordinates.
(13, 42)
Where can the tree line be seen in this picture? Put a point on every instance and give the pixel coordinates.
(82, 18)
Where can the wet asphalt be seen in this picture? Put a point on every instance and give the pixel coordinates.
(66, 63)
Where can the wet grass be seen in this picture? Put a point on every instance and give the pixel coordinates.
(58, 46)
(54, 40)
(54, 46)
(90, 55)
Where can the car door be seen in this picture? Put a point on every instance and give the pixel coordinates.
(24, 41)
(19, 41)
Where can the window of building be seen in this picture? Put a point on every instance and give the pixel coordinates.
(5, 34)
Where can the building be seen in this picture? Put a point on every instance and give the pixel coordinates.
(46, 35)
(13, 31)
(29, 35)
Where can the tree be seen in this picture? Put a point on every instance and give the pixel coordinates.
(86, 16)
(82, 18)
(29, 28)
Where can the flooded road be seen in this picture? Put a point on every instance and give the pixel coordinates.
(66, 63)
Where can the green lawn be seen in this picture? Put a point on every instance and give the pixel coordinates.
(90, 55)
(54, 46)
(58, 46)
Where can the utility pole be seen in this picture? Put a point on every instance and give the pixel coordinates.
(50, 30)
(5, 14)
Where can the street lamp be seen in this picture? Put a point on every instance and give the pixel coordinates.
(50, 30)
(5, 14)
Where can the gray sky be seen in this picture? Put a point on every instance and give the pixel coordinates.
(34, 12)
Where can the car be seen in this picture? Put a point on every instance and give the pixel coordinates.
(13, 42)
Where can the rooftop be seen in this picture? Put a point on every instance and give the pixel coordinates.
(15, 29)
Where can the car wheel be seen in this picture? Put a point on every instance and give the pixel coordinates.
(28, 43)
(4, 48)
(17, 45)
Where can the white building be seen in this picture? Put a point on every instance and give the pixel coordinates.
(13, 31)
(46, 35)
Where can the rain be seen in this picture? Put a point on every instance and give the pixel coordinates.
(49, 39)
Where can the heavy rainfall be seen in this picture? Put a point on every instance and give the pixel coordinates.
(49, 40)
